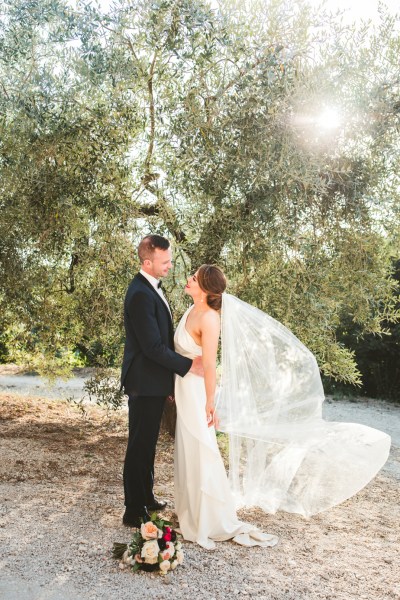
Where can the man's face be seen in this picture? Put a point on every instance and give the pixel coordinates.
(160, 263)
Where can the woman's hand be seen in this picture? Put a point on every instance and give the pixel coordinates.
(209, 329)
(211, 415)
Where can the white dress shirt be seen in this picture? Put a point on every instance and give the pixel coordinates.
(154, 283)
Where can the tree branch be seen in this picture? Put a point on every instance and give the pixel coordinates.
(147, 174)
(71, 275)
(244, 71)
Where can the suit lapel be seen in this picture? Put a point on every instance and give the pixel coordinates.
(146, 282)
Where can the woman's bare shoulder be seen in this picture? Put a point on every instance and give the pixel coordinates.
(210, 318)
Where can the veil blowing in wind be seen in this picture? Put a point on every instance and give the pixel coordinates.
(282, 454)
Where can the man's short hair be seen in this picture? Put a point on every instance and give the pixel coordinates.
(149, 244)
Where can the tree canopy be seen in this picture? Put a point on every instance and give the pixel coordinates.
(259, 136)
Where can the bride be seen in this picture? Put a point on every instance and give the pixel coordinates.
(203, 500)
(282, 454)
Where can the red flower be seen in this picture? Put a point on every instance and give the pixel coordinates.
(167, 537)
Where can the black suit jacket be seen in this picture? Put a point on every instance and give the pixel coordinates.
(149, 360)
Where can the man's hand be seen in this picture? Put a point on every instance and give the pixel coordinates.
(197, 367)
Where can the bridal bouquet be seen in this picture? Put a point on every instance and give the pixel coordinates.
(155, 546)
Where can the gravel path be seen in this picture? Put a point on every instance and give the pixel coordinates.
(61, 490)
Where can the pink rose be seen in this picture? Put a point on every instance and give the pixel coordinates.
(166, 554)
(149, 531)
(167, 537)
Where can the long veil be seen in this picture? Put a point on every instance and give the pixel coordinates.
(282, 454)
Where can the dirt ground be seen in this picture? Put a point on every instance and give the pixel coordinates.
(62, 502)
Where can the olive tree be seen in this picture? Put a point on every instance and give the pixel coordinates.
(260, 137)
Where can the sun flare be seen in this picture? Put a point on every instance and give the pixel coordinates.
(329, 118)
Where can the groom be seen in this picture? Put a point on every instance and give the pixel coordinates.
(147, 377)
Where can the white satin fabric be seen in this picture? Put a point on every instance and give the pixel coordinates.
(203, 499)
(283, 454)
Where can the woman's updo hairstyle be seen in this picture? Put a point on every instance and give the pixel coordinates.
(213, 282)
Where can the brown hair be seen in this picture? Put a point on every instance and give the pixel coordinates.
(148, 245)
(212, 281)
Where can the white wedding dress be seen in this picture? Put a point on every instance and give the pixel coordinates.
(282, 454)
(203, 499)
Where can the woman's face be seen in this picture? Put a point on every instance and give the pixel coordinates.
(192, 287)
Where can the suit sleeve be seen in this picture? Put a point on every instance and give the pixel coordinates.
(142, 316)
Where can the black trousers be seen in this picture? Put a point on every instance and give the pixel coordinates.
(145, 414)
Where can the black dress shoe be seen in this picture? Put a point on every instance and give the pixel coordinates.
(130, 520)
(156, 505)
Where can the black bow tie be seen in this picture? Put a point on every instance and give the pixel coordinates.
(159, 284)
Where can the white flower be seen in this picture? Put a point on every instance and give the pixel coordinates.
(165, 566)
(174, 564)
(178, 545)
(127, 558)
(170, 548)
(179, 556)
(150, 552)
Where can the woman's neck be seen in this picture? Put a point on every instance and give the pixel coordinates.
(200, 304)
